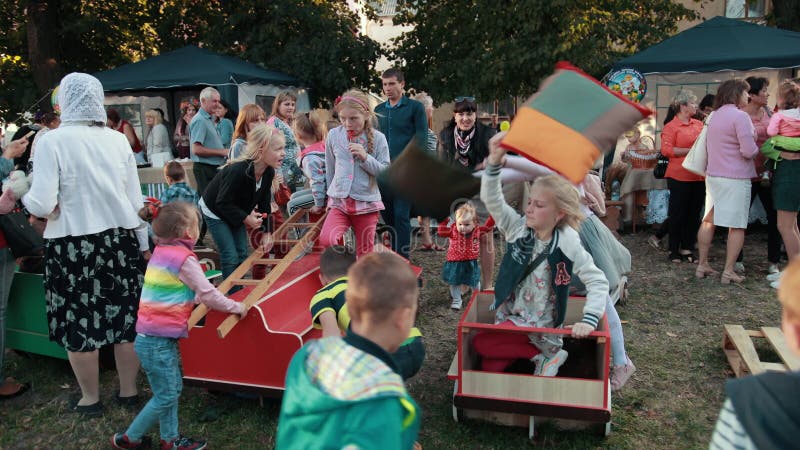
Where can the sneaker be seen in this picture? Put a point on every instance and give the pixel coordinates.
(738, 267)
(621, 374)
(548, 367)
(120, 440)
(775, 284)
(654, 242)
(774, 276)
(183, 443)
(773, 268)
(456, 304)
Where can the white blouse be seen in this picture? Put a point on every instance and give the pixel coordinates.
(89, 173)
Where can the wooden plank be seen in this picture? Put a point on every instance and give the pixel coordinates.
(452, 372)
(246, 282)
(527, 388)
(778, 340)
(742, 342)
(774, 367)
(267, 261)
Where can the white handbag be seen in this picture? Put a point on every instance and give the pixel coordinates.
(697, 158)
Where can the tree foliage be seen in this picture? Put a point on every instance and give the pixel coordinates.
(314, 40)
(494, 50)
(785, 14)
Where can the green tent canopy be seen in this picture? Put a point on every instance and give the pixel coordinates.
(719, 44)
(189, 66)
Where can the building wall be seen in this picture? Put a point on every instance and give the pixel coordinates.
(383, 31)
(708, 9)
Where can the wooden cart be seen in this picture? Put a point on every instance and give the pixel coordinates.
(581, 391)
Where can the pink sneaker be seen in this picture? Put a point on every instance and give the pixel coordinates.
(621, 374)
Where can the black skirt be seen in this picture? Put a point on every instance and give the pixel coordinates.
(92, 286)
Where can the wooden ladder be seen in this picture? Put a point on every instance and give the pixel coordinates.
(279, 265)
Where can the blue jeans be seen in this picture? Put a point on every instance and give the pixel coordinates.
(161, 362)
(397, 217)
(6, 276)
(231, 242)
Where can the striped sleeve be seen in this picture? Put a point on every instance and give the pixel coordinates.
(729, 433)
(320, 303)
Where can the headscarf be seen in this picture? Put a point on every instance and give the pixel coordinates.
(80, 96)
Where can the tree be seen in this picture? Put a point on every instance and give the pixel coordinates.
(495, 50)
(785, 14)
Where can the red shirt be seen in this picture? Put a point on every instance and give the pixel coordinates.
(464, 247)
(682, 135)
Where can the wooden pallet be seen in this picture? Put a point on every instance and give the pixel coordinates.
(743, 358)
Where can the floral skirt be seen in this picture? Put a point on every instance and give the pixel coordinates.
(92, 286)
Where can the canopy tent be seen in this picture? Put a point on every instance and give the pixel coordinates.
(164, 80)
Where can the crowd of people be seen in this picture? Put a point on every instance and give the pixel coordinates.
(134, 281)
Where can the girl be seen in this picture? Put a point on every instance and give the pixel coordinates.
(250, 116)
(239, 194)
(461, 268)
(355, 154)
(173, 284)
(544, 251)
(224, 123)
(281, 118)
(181, 136)
(311, 131)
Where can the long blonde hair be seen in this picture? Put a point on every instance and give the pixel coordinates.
(359, 101)
(312, 124)
(565, 197)
(256, 138)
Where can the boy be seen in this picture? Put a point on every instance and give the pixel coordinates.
(347, 392)
(762, 411)
(329, 311)
(178, 189)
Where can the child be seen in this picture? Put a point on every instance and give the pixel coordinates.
(173, 284)
(461, 268)
(311, 131)
(329, 309)
(346, 392)
(355, 154)
(544, 251)
(178, 189)
(786, 121)
(762, 411)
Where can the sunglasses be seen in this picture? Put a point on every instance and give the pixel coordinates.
(464, 99)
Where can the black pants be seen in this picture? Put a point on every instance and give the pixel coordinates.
(773, 236)
(686, 202)
(203, 174)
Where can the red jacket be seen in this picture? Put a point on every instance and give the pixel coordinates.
(464, 247)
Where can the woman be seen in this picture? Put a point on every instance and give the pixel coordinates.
(464, 142)
(157, 141)
(250, 116)
(282, 118)
(85, 183)
(225, 123)
(759, 114)
(9, 387)
(686, 190)
(115, 122)
(181, 135)
(239, 194)
(731, 145)
(426, 240)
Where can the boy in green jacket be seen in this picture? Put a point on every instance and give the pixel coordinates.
(347, 392)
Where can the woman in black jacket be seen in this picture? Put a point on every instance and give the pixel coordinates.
(464, 142)
(239, 194)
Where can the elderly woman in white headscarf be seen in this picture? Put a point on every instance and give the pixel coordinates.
(85, 183)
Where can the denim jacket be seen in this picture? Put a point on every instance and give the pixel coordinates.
(348, 177)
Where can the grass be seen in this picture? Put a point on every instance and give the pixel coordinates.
(673, 334)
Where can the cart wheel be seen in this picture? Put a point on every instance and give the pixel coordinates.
(456, 411)
(607, 428)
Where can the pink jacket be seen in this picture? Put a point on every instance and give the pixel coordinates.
(731, 144)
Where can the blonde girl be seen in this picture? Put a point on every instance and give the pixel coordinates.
(355, 154)
(544, 253)
(239, 194)
(282, 116)
(249, 116)
(311, 130)
(461, 270)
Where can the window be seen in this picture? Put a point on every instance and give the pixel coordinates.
(265, 102)
(745, 9)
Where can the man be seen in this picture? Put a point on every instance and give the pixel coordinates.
(206, 149)
(400, 119)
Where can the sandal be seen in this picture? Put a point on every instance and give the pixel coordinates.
(21, 389)
(676, 258)
(702, 272)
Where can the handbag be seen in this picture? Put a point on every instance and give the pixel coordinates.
(660, 170)
(22, 239)
(697, 158)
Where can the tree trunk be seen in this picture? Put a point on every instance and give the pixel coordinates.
(44, 52)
